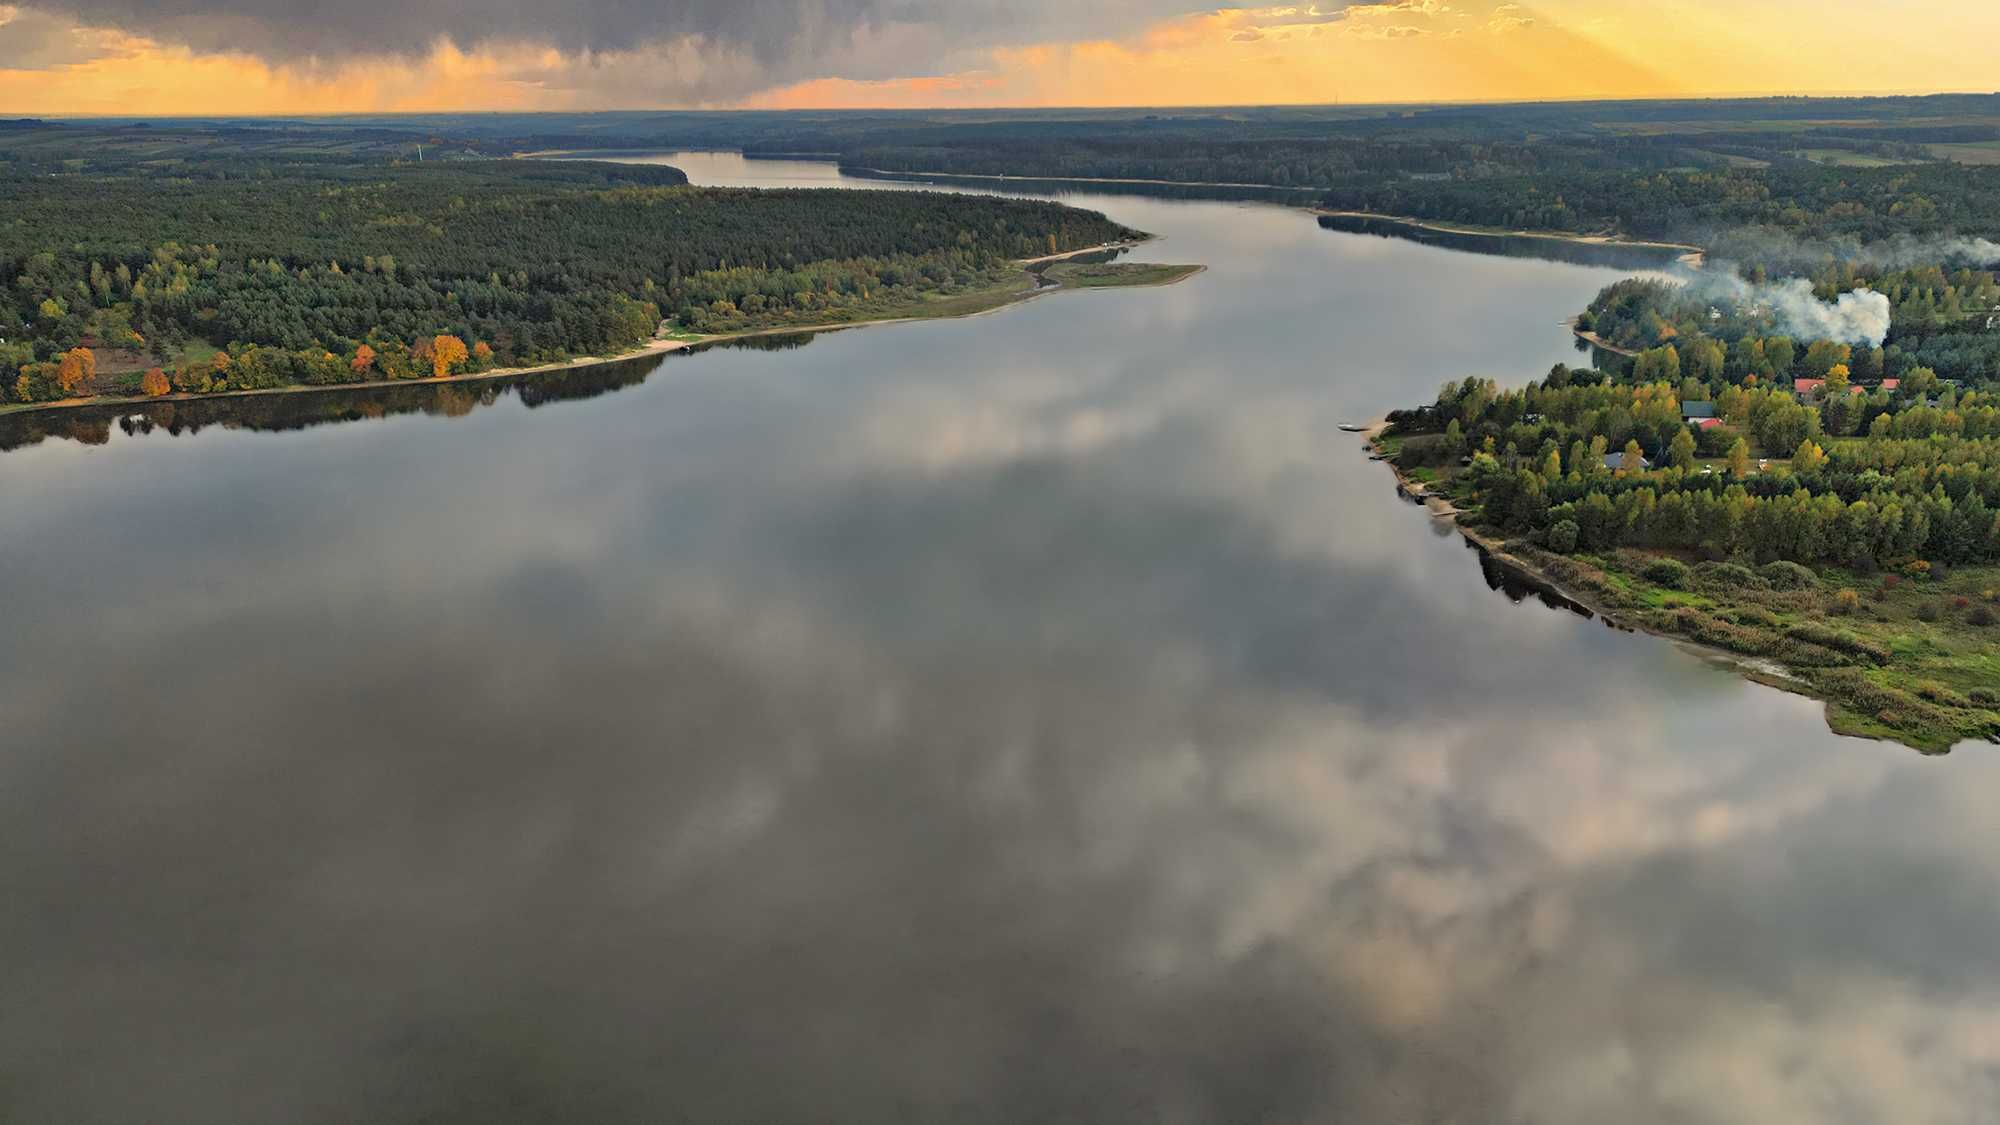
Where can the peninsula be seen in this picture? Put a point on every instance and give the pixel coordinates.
(1822, 509)
(127, 281)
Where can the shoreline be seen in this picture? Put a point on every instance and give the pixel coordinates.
(1767, 673)
(657, 347)
(1690, 254)
(892, 176)
(1596, 341)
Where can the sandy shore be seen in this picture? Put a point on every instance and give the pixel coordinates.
(1688, 250)
(1595, 340)
(1067, 254)
(1001, 178)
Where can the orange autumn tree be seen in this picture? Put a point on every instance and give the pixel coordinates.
(154, 383)
(364, 358)
(447, 352)
(78, 367)
(482, 355)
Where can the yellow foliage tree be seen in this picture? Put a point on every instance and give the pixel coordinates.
(364, 358)
(1739, 459)
(78, 367)
(447, 353)
(1810, 458)
(154, 383)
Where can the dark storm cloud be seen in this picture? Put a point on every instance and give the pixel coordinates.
(36, 41)
(768, 30)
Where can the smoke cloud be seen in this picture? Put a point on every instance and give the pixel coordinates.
(1858, 317)
(1904, 252)
(1778, 250)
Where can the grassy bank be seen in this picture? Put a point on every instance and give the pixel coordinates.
(1117, 275)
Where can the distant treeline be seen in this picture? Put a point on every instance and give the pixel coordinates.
(198, 277)
(1778, 181)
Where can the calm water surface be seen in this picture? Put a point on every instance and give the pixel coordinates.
(1044, 717)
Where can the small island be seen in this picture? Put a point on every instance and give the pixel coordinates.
(1802, 478)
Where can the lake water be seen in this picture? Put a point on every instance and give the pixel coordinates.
(1046, 717)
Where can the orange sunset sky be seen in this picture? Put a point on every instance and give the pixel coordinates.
(181, 56)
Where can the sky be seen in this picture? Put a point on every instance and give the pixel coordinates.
(81, 57)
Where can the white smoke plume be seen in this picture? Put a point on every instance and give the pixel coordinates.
(1857, 317)
(1898, 253)
(1779, 251)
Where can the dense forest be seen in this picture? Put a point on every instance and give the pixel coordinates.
(1849, 534)
(1943, 325)
(204, 272)
(1777, 180)
(1613, 463)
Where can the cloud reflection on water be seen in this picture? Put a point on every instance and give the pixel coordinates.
(1043, 717)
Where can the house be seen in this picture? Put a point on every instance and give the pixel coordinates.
(1616, 462)
(1694, 411)
(1807, 388)
(1706, 424)
(1892, 384)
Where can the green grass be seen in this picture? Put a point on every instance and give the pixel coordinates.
(1884, 669)
(198, 351)
(1112, 275)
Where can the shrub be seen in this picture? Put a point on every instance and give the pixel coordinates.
(1811, 632)
(1897, 709)
(1755, 615)
(1938, 693)
(1729, 576)
(1714, 631)
(1980, 615)
(1671, 573)
(1788, 576)
(1928, 611)
(1985, 697)
(1847, 601)
(1917, 568)
(1891, 581)
(1562, 537)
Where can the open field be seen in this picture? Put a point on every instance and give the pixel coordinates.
(1979, 152)
(1847, 158)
